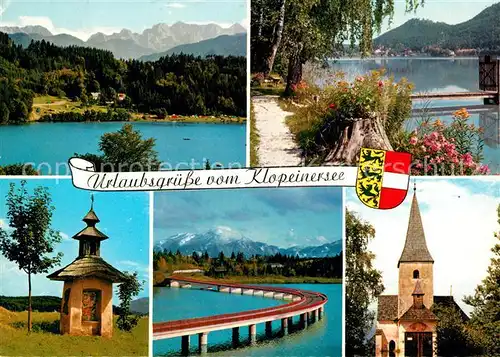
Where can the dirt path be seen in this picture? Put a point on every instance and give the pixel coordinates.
(276, 147)
(60, 102)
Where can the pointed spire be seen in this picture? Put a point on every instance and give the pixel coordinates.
(91, 218)
(415, 249)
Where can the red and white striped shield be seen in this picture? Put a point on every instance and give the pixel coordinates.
(383, 178)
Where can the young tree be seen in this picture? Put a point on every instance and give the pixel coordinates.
(30, 240)
(126, 291)
(363, 284)
(485, 318)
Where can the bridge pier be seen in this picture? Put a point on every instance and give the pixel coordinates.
(236, 336)
(252, 334)
(185, 345)
(284, 326)
(290, 322)
(320, 312)
(269, 328)
(203, 342)
(303, 320)
(316, 315)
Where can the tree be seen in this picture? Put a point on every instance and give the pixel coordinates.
(30, 240)
(125, 150)
(126, 291)
(363, 284)
(485, 319)
(314, 29)
(453, 339)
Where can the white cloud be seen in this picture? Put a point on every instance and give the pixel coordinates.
(175, 5)
(64, 236)
(459, 221)
(83, 33)
(4, 5)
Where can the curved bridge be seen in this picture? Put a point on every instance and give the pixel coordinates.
(308, 305)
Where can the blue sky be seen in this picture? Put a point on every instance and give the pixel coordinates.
(459, 218)
(282, 217)
(82, 18)
(124, 219)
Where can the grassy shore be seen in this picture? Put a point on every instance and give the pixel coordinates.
(46, 105)
(269, 279)
(254, 139)
(15, 341)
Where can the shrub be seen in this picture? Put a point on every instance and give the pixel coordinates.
(257, 79)
(453, 149)
(316, 125)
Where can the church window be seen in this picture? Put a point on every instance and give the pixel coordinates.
(90, 305)
(416, 274)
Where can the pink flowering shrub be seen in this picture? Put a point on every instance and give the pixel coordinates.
(439, 149)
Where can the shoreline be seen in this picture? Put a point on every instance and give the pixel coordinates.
(264, 280)
(241, 120)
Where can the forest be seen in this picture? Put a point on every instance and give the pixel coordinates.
(179, 84)
(257, 266)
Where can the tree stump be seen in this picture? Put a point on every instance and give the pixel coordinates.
(348, 136)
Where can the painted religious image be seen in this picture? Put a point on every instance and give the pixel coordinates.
(248, 272)
(408, 292)
(70, 281)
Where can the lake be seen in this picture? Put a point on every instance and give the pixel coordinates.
(437, 75)
(319, 339)
(47, 144)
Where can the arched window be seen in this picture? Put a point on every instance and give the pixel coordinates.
(416, 274)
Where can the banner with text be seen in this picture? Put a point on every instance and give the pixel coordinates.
(381, 179)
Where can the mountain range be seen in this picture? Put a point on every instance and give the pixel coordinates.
(127, 44)
(214, 241)
(223, 45)
(480, 32)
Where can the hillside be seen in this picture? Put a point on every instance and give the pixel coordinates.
(225, 45)
(480, 32)
(180, 84)
(53, 304)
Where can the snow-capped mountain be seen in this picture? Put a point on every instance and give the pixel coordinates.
(228, 241)
(128, 44)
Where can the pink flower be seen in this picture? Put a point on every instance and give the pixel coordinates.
(380, 83)
(413, 140)
(360, 79)
(332, 106)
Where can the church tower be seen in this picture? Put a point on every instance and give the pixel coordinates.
(415, 264)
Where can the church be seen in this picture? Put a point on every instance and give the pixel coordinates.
(406, 326)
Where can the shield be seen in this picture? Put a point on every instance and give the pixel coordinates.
(383, 178)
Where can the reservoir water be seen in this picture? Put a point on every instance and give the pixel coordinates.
(178, 144)
(437, 75)
(323, 338)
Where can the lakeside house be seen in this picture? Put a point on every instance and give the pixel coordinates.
(95, 95)
(121, 96)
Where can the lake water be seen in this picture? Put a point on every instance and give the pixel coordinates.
(53, 143)
(437, 75)
(323, 338)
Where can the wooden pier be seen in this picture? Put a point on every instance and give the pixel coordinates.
(489, 92)
(489, 85)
